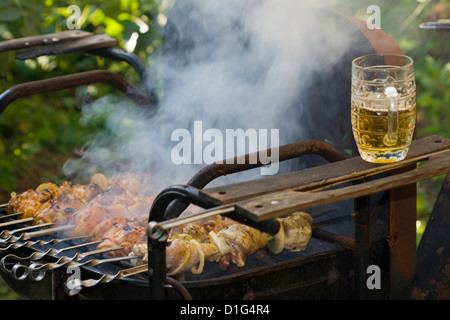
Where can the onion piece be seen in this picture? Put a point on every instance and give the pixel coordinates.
(221, 244)
(278, 242)
(202, 259)
(100, 180)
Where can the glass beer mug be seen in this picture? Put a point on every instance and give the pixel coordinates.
(383, 106)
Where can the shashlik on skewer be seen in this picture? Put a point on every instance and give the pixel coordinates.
(59, 204)
(49, 202)
(124, 234)
(99, 209)
(31, 201)
(115, 211)
(228, 242)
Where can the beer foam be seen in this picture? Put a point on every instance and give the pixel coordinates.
(376, 101)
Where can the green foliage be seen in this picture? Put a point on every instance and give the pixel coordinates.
(433, 99)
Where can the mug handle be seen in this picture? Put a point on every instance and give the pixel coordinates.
(392, 133)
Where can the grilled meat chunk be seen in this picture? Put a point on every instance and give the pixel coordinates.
(31, 201)
(238, 241)
(294, 235)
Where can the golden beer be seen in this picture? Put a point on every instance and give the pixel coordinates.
(370, 127)
(383, 107)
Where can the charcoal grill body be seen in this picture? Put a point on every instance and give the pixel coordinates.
(292, 277)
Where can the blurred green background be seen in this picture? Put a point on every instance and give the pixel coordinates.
(38, 134)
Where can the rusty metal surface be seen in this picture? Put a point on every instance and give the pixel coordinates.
(347, 279)
(292, 279)
(78, 41)
(432, 277)
(286, 152)
(148, 83)
(72, 81)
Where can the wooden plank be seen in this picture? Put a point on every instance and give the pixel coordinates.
(279, 203)
(42, 40)
(321, 176)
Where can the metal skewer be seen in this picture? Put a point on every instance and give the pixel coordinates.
(143, 268)
(77, 284)
(50, 252)
(156, 229)
(37, 226)
(29, 244)
(9, 223)
(7, 236)
(36, 271)
(12, 215)
(8, 233)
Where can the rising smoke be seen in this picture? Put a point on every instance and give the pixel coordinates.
(260, 64)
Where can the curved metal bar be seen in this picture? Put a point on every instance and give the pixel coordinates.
(179, 287)
(165, 197)
(72, 81)
(286, 152)
(134, 61)
(156, 245)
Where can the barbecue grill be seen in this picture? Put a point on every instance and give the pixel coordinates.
(364, 215)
